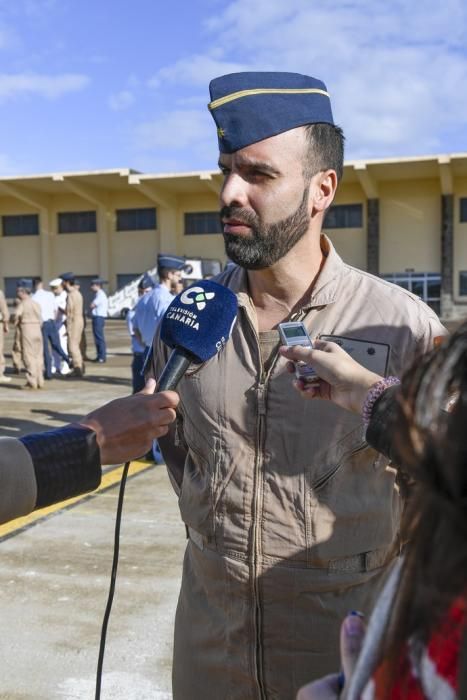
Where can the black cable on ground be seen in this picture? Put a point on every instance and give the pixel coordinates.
(113, 577)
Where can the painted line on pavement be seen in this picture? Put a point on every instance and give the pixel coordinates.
(110, 479)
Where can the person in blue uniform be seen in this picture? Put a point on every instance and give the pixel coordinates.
(99, 311)
(151, 307)
(145, 286)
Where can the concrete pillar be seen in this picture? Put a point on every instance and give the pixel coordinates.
(167, 240)
(103, 223)
(45, 246)
(447, 255)
(372, 210)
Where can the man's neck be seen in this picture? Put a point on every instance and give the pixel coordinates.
(278, 291)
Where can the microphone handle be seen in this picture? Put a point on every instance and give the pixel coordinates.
(175, 368)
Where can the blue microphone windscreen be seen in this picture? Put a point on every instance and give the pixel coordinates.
(200, 319)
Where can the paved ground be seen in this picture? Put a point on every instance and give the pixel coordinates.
(55, 572)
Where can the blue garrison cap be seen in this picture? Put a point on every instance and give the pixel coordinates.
(146, 282)
(175, 262)
(25, 283)
(68, 276)
(250, 107)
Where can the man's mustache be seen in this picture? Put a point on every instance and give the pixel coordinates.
(239, 214)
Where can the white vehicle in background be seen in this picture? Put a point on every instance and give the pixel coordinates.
(125, 298)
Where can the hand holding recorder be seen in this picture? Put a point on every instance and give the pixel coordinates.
(340, 378)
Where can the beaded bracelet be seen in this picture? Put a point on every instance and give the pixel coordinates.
(373, 395)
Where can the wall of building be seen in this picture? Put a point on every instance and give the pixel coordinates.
(199, 246)
(350, 243)
(410, 226)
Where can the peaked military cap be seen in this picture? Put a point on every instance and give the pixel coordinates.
(25, 283)
(250, 107)
(68, 276)
(98, 280)
(146, 282)
(174, 262)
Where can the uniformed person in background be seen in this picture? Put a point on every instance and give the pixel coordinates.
(4, 318)
(28, 319)
(74, 323)
(99, 310)
(151, 307)
(145, 285)
(83, 346)
(16, 353)
(47, 303)
(60, 295)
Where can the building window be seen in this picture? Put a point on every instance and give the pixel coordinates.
(77, 222)
(463, 283)
(344, 216)
(463, 209)
(20, 225)
(426, 285)
(202, 222)
(136, 219)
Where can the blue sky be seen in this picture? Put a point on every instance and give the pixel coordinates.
(97, 84)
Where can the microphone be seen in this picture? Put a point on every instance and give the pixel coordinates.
(197, 325)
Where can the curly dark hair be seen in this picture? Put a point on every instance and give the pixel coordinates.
(432, 442)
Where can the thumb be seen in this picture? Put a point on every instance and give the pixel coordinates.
(150, 386)
(351, 641)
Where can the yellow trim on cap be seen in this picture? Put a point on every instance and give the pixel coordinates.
(264, 91)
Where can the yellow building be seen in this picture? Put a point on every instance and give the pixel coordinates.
(404, 219)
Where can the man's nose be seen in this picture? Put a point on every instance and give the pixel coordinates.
(234, 191)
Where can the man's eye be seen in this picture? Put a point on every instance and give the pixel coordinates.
(258, 175)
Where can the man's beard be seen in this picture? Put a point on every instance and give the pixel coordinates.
(267, 243)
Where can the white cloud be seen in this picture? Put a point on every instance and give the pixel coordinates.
(173, 140)
(396, 71)
(48, 86)
(195, 70)
(175, 130)
(121, 100)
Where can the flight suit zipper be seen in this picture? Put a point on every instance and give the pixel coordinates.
(257, 535)
(261, 393)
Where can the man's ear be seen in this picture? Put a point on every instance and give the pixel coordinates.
(323, 188)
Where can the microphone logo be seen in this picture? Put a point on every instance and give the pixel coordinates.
(196, 295)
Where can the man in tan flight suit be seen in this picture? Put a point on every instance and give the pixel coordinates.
(28, 319)
(293, 520)
(74, 323)
(4, 318)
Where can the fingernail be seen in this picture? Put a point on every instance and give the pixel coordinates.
(353, 625)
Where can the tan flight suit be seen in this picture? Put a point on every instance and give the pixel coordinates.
(75, 326)
(293, 519)
(16, 352)
(4, 318)
(29, 321)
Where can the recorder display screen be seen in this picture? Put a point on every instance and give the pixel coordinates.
(296, 332)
